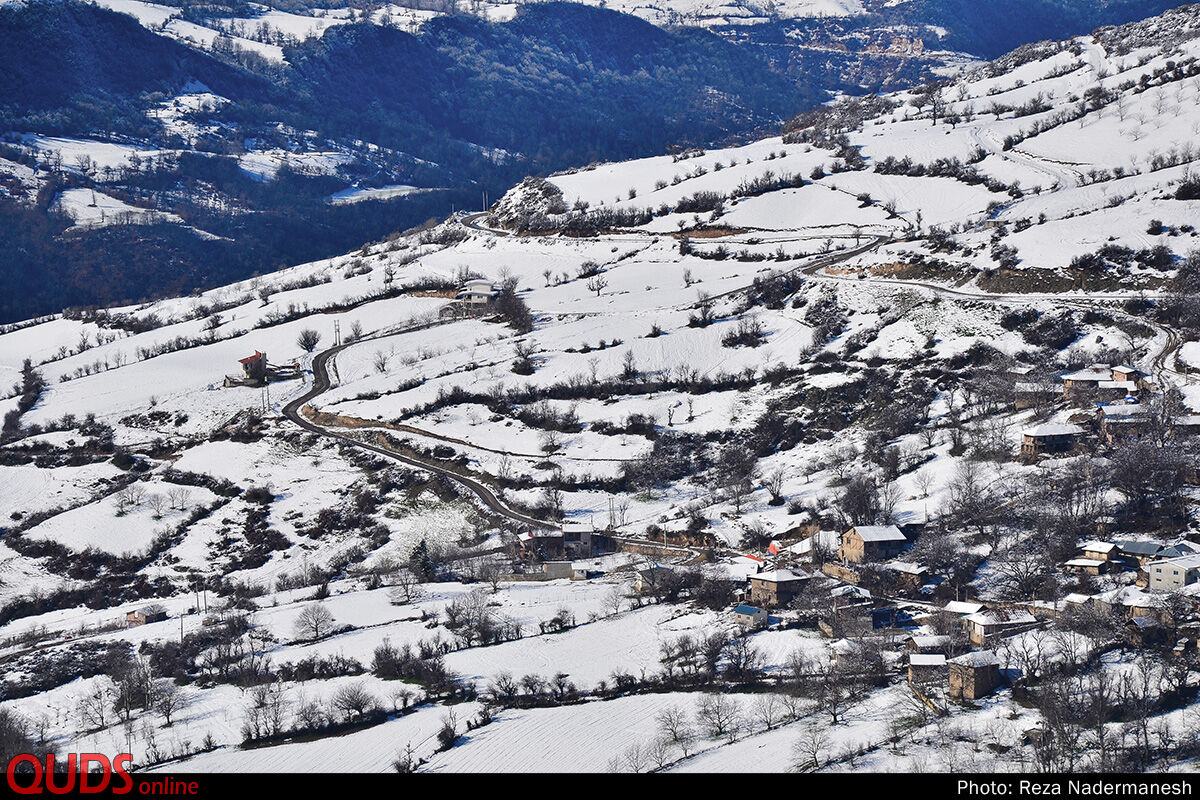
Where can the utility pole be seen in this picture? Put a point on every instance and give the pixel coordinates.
(337, 332)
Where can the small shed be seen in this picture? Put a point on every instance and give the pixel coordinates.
(553, 570)
(1086, 566)
(145, 615)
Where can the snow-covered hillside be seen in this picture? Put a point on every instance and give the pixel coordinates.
(509, 475)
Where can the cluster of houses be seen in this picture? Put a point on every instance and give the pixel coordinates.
(1116, 393)
(938, 663)
(1159, 567)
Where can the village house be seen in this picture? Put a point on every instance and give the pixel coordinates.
(580, 541)
(542, 543)
(909, 576)
(1186, 425)
(822, 544)
(872, 543)
(651, 578)
(1144, 632)
(974, 675)
(1050, 437)
(1179, 549)
(1120, 423)
(985, 625)
(929, 643)
(926, 668)
(145, 615)
(1082, 385)
(1127, 374)
(1174, 573)
(1076, 601)
(479, 291)
(1139, 553)
(1096, 558)
(256, 371)
(1033, 395)
(750, 616)
(1109, 391)
(1126, 601)
(776, 587)
(254, 368)
(963, 608)
(1099, 551)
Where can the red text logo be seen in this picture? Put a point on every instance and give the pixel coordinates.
(87, 773)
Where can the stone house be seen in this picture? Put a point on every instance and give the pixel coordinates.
(776, 587)
(145, 615)
(872, 543)
(984, 625)
(1050, 437)
(750, 616)
(1120, 423)
(974, 675)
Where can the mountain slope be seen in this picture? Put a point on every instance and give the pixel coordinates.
(719, 358)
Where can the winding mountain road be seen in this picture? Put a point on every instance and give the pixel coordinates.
(322, 384)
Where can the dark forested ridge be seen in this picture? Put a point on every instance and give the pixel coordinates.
(990, 28)
(560, 85)
(68, 68)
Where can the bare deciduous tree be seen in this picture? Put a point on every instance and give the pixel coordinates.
(313, 621)
(308, 340)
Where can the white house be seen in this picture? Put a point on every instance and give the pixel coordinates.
(479, 291)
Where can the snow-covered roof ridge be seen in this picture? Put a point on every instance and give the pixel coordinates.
(1053, 429)
(880, 533)
(976, 658)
